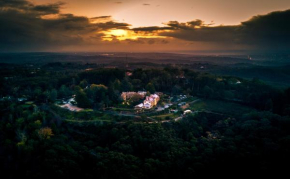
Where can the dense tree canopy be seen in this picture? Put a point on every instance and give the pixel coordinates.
(40, 140)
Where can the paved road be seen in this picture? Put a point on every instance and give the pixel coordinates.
(134, 115)
(194, 101)
(120, 114)
(178, 118)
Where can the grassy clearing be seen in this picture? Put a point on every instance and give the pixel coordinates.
(29, 102)
(198, 106)
(25, 106)
(221, 107)
(87, 110)
(165, 116)
(190, 99)
(82, 123)
(122, 109)
(104, 117)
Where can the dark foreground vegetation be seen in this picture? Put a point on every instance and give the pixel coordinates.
(40, 140)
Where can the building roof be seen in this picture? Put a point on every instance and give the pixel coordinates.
(187, 111)
(140, 105)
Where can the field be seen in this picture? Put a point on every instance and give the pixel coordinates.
(220, 107)
(165, 116)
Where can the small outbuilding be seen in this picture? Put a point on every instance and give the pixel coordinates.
(187, 112)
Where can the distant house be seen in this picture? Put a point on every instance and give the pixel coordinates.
(182, 103)
(187, 112)
(149, 102)
(127, 95)
(167, 106)
(159, 93)
(22, 99)
(139, 107)
(142, 93)
(128, 73)
(174, 110)
(6, 98)
(147, 105)
(71, 107)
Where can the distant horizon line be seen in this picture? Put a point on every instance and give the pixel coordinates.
(185, 52)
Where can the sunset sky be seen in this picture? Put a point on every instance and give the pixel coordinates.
(144, 25)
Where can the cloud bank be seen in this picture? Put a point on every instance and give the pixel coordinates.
(265, 32)
(25, 26)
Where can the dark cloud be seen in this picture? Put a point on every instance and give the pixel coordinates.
(101, 17)
(48, 9)
(272, 28)
(112, 25)
(208, 34)
(118, 2)
(186, 25)
(152, 28)
(266, 32)
(15, 4)
(23, 28)
(23, 31)
(145, 4)
(196, 22)
(28, 7)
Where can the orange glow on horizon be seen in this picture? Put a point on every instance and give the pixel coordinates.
(121, 34)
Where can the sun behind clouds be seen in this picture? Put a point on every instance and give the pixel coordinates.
(122, 34)
(119, 32)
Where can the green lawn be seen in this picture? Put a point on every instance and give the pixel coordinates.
(29, 102)
(104, 117)
(190, 99)
(220, 107)
(25, 106)
(87, 110)
(163, 116)
(122, 109)
(86, 123)
(198, 106)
